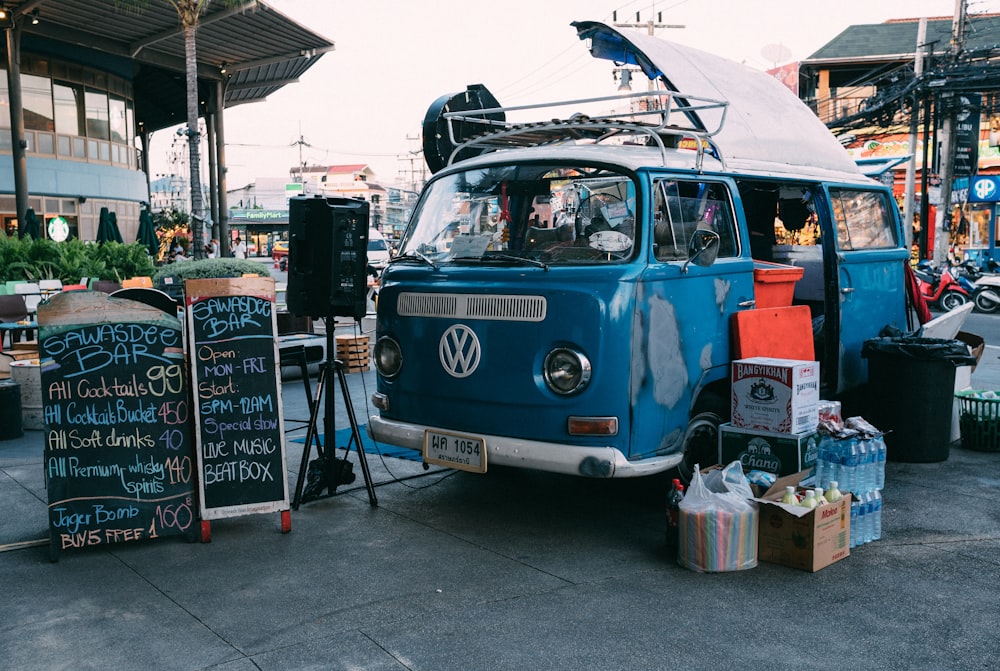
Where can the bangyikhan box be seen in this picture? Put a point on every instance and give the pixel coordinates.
(804, 538)
(770, 451)
(771, 394)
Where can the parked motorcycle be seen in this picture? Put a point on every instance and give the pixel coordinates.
(939, 287)
(984, 287)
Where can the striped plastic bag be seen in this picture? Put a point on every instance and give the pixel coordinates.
(718, 522)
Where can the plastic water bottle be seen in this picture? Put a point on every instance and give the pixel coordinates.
(862, 524)
(822, 470)
(877, 517)
(850, 477)
(835, 455)
(880, 453)
(854, 523)
(833, 493)
(810, 499)
(863, 463)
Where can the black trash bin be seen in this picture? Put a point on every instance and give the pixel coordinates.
(911, 390)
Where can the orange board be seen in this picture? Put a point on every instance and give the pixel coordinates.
(783, 333)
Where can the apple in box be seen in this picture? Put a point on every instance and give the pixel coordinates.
(780, 395)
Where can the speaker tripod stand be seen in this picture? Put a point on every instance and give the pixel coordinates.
(331, 367)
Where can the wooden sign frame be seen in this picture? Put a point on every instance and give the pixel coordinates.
(239, 435)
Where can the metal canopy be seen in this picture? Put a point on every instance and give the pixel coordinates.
(261, 49)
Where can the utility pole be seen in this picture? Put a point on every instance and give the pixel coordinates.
(911, 166)
(301, 142)
(941, 237)
(624, 74)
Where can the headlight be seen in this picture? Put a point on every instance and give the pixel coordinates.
(566, 370)
(388, 357)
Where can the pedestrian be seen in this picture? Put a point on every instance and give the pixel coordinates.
(240, 249)
(212, 249)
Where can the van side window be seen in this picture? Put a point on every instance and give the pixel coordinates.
(680, 207)
(863, 220)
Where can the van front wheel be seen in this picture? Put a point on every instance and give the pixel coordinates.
(701, 444)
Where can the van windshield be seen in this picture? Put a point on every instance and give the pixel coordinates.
(537, 213)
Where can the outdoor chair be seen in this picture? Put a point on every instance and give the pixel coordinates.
(106, 286)
(32, 294)
(12, 310)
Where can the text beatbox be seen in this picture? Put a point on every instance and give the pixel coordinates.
(327, 256)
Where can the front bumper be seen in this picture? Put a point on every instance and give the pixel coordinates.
(592, 462)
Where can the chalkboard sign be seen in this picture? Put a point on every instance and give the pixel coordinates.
(236, 378)
(119, 454)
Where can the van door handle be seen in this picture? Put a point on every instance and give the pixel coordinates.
(847, 290)
(747, 304)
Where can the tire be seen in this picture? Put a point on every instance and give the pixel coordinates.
(701, 444)
(952, 299)
(987, 300)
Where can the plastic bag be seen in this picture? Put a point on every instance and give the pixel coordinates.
(955, 352)
(718, 522)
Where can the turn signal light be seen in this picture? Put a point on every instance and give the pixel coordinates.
(593, 426)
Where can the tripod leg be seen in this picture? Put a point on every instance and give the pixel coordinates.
(356, 433)
(311, 434)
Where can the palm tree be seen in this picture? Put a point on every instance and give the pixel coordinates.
(188, 12)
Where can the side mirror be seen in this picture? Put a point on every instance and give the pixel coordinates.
(703, 249)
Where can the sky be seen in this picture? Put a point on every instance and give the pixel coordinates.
(364, 102)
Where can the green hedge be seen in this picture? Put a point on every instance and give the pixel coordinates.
(207, 268)
(24, 259)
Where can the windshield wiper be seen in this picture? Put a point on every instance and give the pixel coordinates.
(414, 256)
(517, 259)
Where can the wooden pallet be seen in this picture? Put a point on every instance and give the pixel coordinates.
(354, 353)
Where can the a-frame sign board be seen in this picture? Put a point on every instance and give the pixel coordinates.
(119, 453)
(236, 379)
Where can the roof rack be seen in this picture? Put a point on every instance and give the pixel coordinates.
(655, 122)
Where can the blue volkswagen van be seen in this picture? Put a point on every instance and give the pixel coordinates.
(563, 295)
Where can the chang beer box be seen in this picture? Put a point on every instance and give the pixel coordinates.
(780, 395)
(770, 451)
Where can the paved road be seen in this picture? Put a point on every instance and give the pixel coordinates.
(512, 570)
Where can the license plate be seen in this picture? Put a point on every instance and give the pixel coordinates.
(455, 450)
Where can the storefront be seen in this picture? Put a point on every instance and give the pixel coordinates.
(260, 229)
(981, 214)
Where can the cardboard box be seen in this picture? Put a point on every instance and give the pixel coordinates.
(976, 345)
(780, 395)
(778, 453)
(799, 537)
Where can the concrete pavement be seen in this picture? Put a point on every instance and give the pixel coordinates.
(511, 570)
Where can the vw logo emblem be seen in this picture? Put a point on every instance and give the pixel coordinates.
(459, 351)
(984, 188)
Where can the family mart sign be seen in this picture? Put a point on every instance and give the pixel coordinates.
(984, 189)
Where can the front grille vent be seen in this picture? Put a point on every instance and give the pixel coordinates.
(472, 306)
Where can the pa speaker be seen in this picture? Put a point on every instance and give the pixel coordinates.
(327, 257)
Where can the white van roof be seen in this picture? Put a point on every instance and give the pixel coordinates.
(765, 122)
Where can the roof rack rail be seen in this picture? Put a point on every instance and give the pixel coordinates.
(657, 117)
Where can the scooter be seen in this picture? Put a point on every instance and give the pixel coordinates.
(939, 287)
(985, 287)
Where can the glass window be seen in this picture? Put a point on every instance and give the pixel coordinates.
(129, 120)
(4, 104)
(97, 115)
(863, 220)
(680, 207)
(46, 143)
(119, 126)
(538, 214)
(36, 94)
(69, 108)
